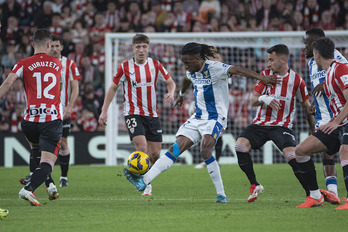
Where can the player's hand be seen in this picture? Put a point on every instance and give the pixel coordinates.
(103, 118)
(329, 127)
(67, 112)
(275, 104)
(318, 90)
(179, 100)
(168, 97)
(270, 80)
(270, 101)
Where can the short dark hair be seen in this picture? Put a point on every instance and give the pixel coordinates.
(41, 36)
(56, 38)
(325, 47)
(205, 51)
(315, 33)
(140, 38)
(279, 49)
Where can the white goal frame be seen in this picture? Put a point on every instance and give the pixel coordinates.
(291, 39)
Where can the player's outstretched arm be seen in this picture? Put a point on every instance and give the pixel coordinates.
(186, 83)
(107, 100)
(7, 83)
(241, 71)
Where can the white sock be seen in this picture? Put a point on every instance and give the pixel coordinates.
(315, 194)
(162, 164)
(214, 172)
(331, 184)
(333, 188)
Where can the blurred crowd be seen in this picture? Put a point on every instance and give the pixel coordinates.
(82, 25)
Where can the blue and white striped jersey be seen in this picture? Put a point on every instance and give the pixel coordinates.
(211, 91)
(323, 113)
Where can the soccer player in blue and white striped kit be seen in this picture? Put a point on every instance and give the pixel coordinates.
(323, 114)
(210, 82)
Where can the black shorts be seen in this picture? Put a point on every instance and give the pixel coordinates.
(66, 127)
(46, 134)
(144, 125)
(334, 140)
(258, 135)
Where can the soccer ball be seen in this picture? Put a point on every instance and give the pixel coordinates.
(138, 162)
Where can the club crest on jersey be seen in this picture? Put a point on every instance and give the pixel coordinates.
(36, 111)
(153, 71)
(131, 130)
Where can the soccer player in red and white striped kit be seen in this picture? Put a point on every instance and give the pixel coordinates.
(139, 77)
(274, 117)
(69, 93)
(333, 136)
(42, 124)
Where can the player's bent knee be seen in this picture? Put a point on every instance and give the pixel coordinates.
(241, 147)
(302, 159)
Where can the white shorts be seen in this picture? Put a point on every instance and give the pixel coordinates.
(194, 129)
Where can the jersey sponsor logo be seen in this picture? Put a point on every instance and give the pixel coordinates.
(280, 98)
(319, 74)
(37, 111)
(135, 84)
(292, 136)
(344, 79)
(202, 81)
(43, 64)
(159, 131)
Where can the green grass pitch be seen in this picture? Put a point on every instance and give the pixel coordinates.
(99, 198)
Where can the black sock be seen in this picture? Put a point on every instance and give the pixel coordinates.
(309, 174)
(64, 164)
(49, 180)
(345, 177)
(39, 176)
(246, 164)
(35, 157)
(218, 149)
(296, 169)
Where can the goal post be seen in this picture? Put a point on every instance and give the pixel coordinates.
(246, 49)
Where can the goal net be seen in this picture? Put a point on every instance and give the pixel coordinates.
(246, 49)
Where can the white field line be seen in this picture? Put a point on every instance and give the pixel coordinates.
(145, 198)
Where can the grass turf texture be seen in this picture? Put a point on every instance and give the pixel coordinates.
(99, 198)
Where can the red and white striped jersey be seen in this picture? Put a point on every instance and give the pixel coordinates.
(139, 85)
(335, 82)
(291, 86)
(41, 75)
(69, 72)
